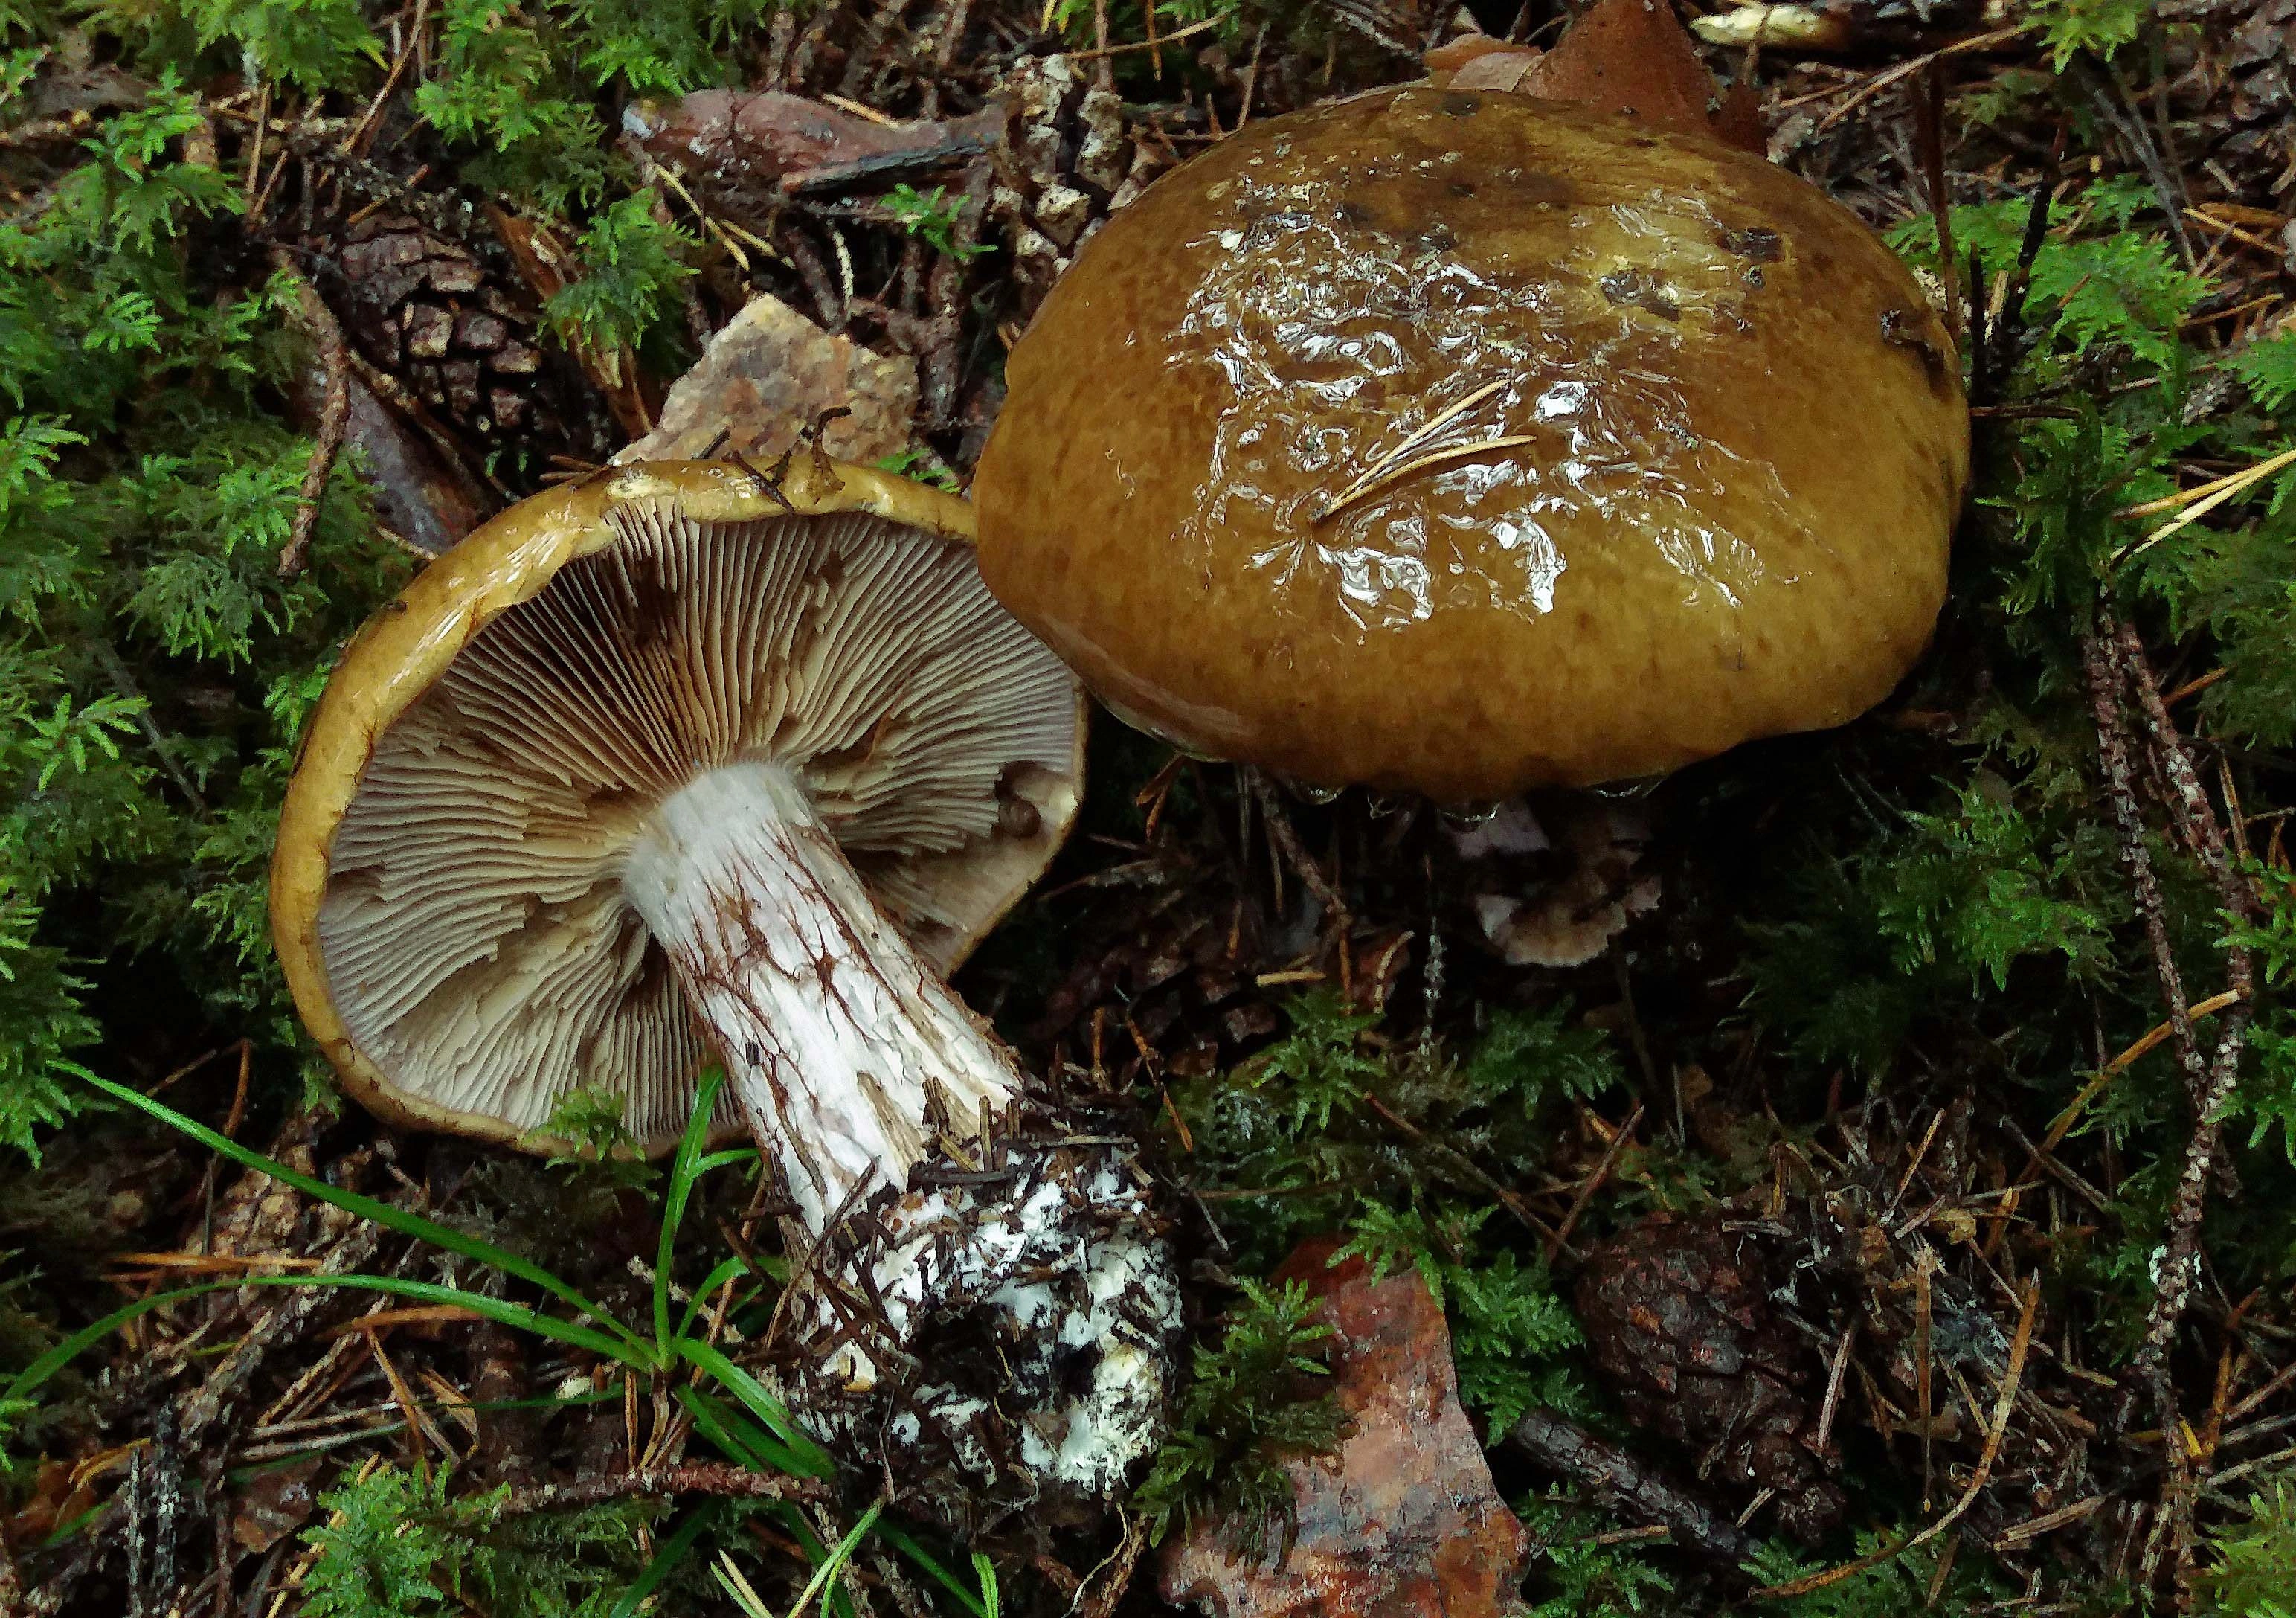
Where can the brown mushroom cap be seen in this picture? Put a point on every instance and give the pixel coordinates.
(1734, 444)
(445, 894)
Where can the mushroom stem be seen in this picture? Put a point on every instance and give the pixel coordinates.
(1009, 1309)
(840, 1041)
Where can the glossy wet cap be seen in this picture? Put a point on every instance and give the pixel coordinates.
(445, 894)
(1465, 443)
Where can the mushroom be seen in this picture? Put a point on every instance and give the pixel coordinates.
(682, 764)
(1461, 443)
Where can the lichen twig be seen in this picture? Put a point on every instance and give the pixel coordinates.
(318, 324)
(716, 1478)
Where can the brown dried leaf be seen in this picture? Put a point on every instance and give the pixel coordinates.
(274, 1505)
(1448, 61)
(1634, 57)
(770, 374)
(771, 138)
(54, 1500)
(1403, 1520)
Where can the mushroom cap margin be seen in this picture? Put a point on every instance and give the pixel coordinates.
(396, 655)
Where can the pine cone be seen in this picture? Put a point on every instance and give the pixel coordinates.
(462, 340)
(1678, 1316)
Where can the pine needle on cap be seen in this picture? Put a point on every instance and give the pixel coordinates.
(1373, 474)
(1440, 458)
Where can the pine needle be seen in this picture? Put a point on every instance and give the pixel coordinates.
(1418, 435)
(2226, 488)
(1440, 458)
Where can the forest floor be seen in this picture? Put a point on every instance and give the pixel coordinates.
(1890, 1210)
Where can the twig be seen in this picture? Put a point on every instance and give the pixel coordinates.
(162, 749)
(2120, 787)
(695, 1477)
(1287, 841)
(1142, 45)
(1635, 1490)
(1592, 1182)
(1905, 70)
(2179, 1264)
(318, 324)
(357, 139)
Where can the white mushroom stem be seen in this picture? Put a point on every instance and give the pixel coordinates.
(850, 1056)
(834, 1032)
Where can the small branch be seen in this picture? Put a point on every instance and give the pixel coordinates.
(1286, 838)
(2104, 695)
(1636, 1491)
(1593, 1182)
(2179, 1263)
(318, 324)
(124, 683)
(2196, 817)
(718, 1478)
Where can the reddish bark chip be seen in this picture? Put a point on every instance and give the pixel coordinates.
(1404, 1519)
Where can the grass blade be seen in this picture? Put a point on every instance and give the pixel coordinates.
(837, 1559)
(736, 1435)
(728, 1269)
(684, 1169)
(672, 1552)
(899, 1537)
(984, 1570)
(29, 1380)
(379, 1212)
(814, 1461)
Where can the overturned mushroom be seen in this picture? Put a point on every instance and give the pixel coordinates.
(1465, 442)
(680, 763)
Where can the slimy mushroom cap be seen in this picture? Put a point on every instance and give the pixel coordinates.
(1465, 443)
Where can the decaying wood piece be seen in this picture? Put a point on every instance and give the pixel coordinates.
(795, 145)
(1403, 1518)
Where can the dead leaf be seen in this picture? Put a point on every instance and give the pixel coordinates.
(1478, 61)
(793, 143)
(55, 1500)
(770, 374)
(1497, 70)
(273, 1504)
(1404, 1520)
(1625, 56)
